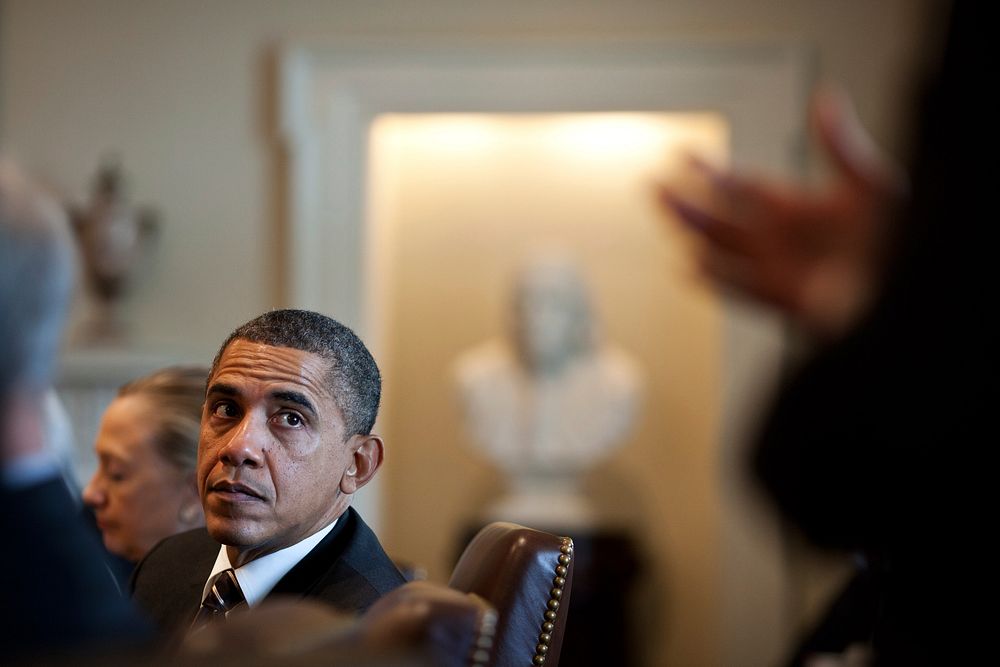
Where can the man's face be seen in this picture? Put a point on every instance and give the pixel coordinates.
(272, 452)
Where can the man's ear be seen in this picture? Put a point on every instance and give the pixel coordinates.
(368, 453)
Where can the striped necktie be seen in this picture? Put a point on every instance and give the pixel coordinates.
(224, 595)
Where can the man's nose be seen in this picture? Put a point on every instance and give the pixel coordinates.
(246, 446)
(93, 494)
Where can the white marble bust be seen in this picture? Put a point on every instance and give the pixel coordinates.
(549, 400)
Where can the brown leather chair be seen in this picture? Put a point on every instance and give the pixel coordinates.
(526, 575)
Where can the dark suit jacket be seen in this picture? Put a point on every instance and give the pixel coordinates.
(348, 569)
(57, 593)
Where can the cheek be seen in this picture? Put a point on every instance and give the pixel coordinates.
(207, 458)
(122, 495)
(325, 472)
(140, 497)
(127, 510)
(201, 473)
(156, 508)
(293, 478)
(280, 468)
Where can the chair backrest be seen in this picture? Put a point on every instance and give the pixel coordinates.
(526, 575)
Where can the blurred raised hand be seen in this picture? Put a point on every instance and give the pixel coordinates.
(814, 254)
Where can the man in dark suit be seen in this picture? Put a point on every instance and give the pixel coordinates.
(285, 443)
(56, 594)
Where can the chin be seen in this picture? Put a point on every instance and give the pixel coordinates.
(112, 545)
(227, 531)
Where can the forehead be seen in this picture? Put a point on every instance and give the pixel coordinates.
(126, 427)
(246, 364)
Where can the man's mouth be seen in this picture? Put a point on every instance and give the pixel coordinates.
(235, 491)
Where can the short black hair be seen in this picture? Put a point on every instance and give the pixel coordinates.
(355, 381)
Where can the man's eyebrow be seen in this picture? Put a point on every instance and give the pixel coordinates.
(224, 389)
(296, 398)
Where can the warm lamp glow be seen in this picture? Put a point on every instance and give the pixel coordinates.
(633, 137)
(609, 135)
(446, 133)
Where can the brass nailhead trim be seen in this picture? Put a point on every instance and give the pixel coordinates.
(481, 648)
(552, 607)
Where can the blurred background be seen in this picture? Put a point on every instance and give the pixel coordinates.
(390, 163)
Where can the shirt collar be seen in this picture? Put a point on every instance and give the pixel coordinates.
(260, 575)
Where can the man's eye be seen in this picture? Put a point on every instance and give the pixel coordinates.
(224, 410)
(289, 419)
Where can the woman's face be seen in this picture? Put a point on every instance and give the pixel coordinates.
(138, 498)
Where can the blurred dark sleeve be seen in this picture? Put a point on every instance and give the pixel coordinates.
(849, 619)
(880, 442)
(57, 592)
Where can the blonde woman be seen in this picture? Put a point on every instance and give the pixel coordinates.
(147, 446)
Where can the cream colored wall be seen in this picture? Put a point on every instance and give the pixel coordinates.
(184, 92)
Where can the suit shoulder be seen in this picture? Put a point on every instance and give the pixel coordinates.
(175, 553)
(167, 583)
(348, 570)
(186, 544)
(366, 556)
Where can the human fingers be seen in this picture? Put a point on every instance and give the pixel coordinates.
(757, 201)
(729, 272)
(718, 231)
(734, 275)
(693, 217)
(849, 146)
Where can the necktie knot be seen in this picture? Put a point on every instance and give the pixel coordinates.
(224, 595)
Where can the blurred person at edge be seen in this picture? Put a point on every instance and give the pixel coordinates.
(56, 594)
(144, 488)
(873, 442)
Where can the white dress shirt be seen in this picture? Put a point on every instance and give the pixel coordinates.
(260, 575)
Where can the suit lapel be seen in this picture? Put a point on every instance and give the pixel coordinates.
(348, 569)
(189, 590)
(320, 564)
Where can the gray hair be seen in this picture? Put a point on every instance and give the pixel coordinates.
(37, 267)
(177, 394)
(354, 379)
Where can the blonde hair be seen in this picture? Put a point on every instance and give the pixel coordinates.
(176, 395)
